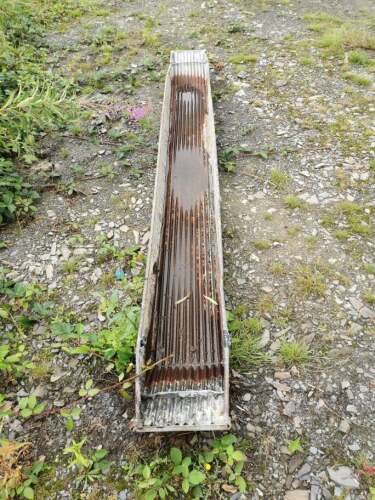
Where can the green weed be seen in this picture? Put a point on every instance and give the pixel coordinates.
(29, 406)
(32, 98)
(306, 61)
(90, 467)
(17, 197)
(227, 159)
(115, 343)
(201, 475)
(13, 363)
(70, 415)
(320, 21)
(70, 266)
(294, 446)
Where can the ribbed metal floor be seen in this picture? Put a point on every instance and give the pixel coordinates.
(186, 323)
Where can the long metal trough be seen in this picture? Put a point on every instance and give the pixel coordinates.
(183, 326)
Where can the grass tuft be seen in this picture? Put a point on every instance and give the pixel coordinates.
(293, 202)
(310, 281)
(293, 353)
(369, 268)
(262, 244)
(279, 179)
(362, 80)
(277, 268)
(341, 234)
(245, 343)
(368, 297)
(359, 57)
(243, 58)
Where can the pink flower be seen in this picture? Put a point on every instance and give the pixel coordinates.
(138, 112)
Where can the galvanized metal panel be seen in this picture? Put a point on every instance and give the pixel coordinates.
(183, 312)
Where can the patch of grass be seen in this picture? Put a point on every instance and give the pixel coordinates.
(277, 268)
(70, 266)
(359, 57)
(337, 35)
(306, 61)
(310, 282)
(293, 230)
(283, 317)
(246, 351)
(236, 28)
(279, 179)
(106, 169)
(362, 80)
(245, 341)
(293, 202)
(312, 240)
(369, 268)
(40, 370)
(243, 59)
(368, 297)
(293, 353)
(341, 234)
(265, 304)
(336, 41)
(108, 36)
(262, 244)
(268, 216)
(355, 218)
(320, 21)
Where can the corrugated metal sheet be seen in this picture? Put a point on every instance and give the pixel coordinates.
(183, 313)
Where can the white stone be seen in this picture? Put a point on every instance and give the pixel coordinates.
(343, 476)
(297, 495)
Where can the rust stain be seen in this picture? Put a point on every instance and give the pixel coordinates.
(189, 329)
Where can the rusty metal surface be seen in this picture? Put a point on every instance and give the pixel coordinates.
(186, 323)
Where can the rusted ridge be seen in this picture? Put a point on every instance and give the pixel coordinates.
(186, 316)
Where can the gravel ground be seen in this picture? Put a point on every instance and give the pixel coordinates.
(307, 272)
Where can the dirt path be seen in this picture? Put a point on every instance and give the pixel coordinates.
(294, 125)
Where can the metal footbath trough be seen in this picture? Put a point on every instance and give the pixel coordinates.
(183, 331)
